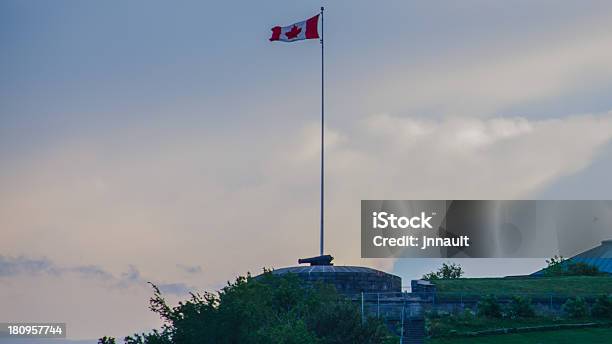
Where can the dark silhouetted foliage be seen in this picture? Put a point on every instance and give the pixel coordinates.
(267, 309)
(520, 307)
(447, 271)
(602, 308)
(559, 266)
(106, 340)
(582, 269)
(488, 306)
(576, 308)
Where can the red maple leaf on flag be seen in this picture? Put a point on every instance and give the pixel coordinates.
(294, 32)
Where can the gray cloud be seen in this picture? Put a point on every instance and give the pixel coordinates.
(131, 276)
(91, 271)
(12, 266)
(174, 288)
(15, 266)
(190, 269)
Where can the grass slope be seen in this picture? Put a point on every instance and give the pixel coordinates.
(446, 326)
(591, 336)
(565, 285)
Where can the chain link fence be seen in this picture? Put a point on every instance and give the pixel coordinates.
(405, 312)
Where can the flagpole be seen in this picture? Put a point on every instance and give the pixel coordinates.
(322, 136)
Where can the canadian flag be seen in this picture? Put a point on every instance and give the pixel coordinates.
(306, 29)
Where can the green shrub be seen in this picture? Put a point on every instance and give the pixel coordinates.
(489, 307)
(559, 266)
(269, 309)
(434, 314)
(555, 266)
(602, 308)
(582, 269)
(106, 340)
(520, 307)
(434, 328)
(576, 308)
(447, 271)
(467, 314)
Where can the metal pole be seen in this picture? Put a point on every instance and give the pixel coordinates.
(322, 135)
(362, 310)
(402, 322)
(551, 303)
(378, 305)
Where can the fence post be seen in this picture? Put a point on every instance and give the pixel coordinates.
(378, 305)
(551, 304)
(362, 309)
(402, 317)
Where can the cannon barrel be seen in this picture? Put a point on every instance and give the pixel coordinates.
(318, 260)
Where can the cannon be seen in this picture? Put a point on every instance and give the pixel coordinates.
(318, 260)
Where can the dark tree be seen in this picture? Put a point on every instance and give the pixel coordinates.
(267, 309)
(447, 271)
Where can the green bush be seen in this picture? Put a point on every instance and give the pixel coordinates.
(582, 269)
(447, 271)
(106, 340)
(467, 314)
(555, 266)
(268, 309)
(602, 308)
(520, 307)
(576, 308)
(489, 307)
(433, 314)
(559, 266)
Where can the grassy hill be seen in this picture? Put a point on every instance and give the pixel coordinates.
(564, 285)
(591, 336)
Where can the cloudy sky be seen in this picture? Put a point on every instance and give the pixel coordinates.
(171, 142)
